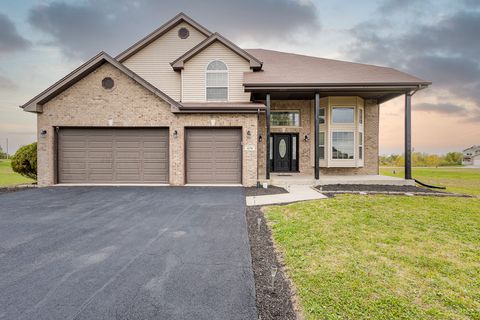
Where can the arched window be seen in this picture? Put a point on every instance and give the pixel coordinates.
(216, 81)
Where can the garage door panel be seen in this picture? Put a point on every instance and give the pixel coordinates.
(113, 155)
(213, 155)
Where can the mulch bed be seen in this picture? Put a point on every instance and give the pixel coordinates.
(271, 303)
(332, 189)
(254, 191)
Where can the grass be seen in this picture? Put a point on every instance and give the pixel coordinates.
(382, 257)
(10, 178)
(456, 179)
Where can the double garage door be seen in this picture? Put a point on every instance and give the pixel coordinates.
(107, 155)
(140, 155)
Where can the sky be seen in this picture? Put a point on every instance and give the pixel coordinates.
(41, 41)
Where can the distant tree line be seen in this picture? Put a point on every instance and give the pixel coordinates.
(420, 159)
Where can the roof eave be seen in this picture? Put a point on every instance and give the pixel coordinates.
(36, 103)
(179, 63)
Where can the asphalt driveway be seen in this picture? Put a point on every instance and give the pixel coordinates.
(125, 253)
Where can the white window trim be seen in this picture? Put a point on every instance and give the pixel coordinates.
(217, 71)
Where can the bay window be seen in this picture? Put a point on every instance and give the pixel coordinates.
(321, 145)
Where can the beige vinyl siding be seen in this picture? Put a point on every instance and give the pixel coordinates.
(153, 62)
(193, 74)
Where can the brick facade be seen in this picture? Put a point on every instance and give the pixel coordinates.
(128, 104)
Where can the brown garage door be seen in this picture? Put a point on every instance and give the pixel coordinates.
(214, 156)
(107, 155)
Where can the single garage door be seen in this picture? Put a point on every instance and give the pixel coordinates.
(214, 156)
(107, 155)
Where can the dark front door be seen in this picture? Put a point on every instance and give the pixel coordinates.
(283, 152)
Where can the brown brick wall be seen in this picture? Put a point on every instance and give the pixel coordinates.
(87, 104)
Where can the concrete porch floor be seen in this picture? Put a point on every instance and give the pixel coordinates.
(286, 179)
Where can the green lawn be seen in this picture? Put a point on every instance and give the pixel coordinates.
(456, 179)
(382, 257)
(10, 178)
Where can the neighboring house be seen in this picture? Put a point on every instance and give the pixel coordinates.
(187, 106)
(471, 156)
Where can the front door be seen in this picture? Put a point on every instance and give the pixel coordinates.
(284, 152)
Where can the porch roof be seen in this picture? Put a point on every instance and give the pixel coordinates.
(294, 76)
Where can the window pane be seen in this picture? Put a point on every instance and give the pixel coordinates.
(360, 138)
(343, 115)
(294, 147)
(217, 65)
(322, 115)
(271, 147)
(360, 116)
(360, 152)
(217, 79)
(321, 144)
(289, 119)
(321, 138)
(220, 94)
(342, 145)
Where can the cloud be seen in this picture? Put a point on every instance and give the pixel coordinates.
(6, 83)
(83, 30)
(10, 39)
(443, 108)
(444, 50)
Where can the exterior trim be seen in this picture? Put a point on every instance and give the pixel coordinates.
(36, 104)
(178, 64)
(142, 43)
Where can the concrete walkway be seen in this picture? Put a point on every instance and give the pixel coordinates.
(296, 193)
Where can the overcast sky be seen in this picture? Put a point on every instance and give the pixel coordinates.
(42, 41)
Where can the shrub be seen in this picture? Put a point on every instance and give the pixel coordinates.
(25, 161)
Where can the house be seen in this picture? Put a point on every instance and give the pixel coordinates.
(471, 156)
(185, 105)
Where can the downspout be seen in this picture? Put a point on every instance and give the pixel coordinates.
(411, 93)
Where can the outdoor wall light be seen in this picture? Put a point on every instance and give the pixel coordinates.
(306, 138)
(249, 133)
(175, 134)
(43, 132)
(260, 138)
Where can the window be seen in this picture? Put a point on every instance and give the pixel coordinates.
(285, 119)
(321, 145)
(322, 115)
(360, 116)
(343, 115)
(360, 145)
(217, 81)
(342, 145)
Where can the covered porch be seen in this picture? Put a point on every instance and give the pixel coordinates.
(330, 135)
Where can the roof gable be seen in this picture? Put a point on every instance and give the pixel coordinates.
(178, 64)
(36, 104)
(142, 43)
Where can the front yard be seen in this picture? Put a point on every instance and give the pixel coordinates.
(10, 178)
(382, 257)
(456, 179)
